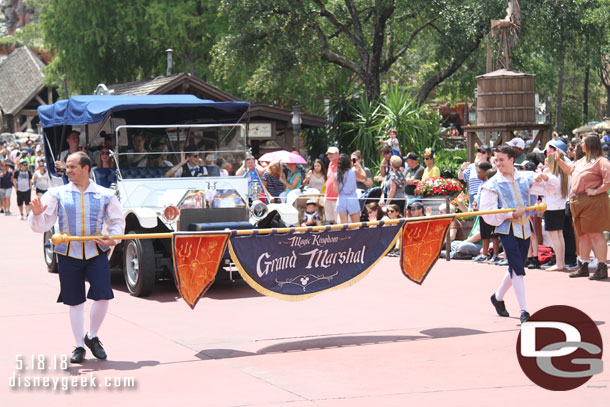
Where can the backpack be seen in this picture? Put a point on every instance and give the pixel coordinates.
(545, 254)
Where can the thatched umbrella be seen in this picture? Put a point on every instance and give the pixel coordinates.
(604, 125)
(582, 129)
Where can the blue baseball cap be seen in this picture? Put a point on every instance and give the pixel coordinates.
(558, 144)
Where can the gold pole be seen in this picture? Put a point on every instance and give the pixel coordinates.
(60, 238)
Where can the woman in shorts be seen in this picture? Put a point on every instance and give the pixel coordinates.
(41, 180)
(590, 205)
(6, 187)
(555, 201)
(347, 199)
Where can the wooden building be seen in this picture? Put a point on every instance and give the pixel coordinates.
(269, 127)
(22, 90)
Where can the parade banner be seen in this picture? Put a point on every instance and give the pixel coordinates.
(297, 266)
(197, 257)
(422, 241)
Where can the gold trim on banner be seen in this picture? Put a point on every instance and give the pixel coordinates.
(405, 257)
(287, 297)
(180, 279)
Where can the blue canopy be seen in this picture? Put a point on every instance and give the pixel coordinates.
(87, 109)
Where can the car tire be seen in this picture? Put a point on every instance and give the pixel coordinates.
(50, 258)
(139, 267)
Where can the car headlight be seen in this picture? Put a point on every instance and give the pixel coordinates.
(171, 213)
(259, 210)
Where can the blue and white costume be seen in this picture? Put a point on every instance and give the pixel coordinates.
(96, 211)
(499, 193)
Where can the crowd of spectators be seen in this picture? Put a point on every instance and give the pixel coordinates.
(339, 187)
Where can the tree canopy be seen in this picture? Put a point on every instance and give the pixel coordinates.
(285, 52)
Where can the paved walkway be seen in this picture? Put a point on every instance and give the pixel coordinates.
(385, 341)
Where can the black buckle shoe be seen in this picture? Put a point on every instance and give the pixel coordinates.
(524, 316)
(78, 355)
(96, 347)
(534, 263)
(499, 306)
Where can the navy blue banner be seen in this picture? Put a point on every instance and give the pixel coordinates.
(296, 266)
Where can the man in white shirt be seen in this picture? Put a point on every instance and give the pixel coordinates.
(83, 208)
(510, 188)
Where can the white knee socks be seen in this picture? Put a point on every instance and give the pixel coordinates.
(519, 287)
(97, 314)
(77, 321)
(506, 284)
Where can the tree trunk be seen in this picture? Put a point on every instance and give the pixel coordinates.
(372, 86)
(559, 93)
(427, 87)
(585, 96)
(607, 101)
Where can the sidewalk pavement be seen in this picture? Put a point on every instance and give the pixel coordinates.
(384, 341)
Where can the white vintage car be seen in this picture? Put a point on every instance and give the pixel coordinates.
(148, 139)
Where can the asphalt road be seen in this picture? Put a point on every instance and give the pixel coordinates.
(384, 341)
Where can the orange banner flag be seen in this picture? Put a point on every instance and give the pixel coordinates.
(197, 257)
(422, 241)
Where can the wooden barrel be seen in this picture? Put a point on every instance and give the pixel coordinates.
(506, 97)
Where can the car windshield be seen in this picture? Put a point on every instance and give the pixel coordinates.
(152, 151)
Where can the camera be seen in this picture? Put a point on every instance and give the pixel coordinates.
(354, 160)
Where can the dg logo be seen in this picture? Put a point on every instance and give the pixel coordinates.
(560, 348)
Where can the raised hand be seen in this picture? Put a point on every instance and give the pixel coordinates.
(37, 206)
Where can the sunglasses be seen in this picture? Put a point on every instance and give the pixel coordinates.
(105, 153)
(165, 150)
(427, 158)
(194, 155)
(391, 211)
(481, 151)
(409, 208)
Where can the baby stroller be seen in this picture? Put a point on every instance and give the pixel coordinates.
(370, 195)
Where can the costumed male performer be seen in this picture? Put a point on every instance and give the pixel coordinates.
(83, 208)
(511, 188)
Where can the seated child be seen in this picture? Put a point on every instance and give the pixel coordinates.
(311, 217)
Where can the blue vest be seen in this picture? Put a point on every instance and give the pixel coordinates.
(513, 195)
(81, 215)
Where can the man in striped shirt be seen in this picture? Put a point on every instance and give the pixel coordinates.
(468, 172)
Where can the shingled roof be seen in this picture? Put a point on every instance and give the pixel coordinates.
(20, 79)
(172, 84)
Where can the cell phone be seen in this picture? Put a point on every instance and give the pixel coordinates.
(354, 160)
